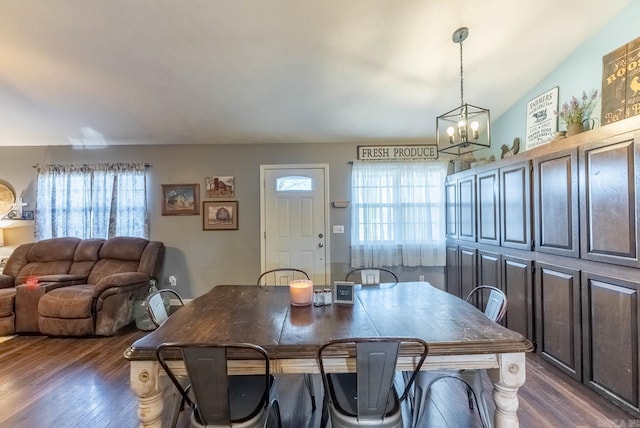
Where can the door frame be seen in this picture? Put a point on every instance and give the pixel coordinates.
(263, 241)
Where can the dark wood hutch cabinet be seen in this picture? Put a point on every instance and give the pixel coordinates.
(557, 228)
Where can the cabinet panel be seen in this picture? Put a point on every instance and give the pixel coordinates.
(452, 270)
(489, 268)
(517, 283)
(467, 207)
(556, 203)
(515, 206)
(488, 209)
(558, 318)
(609, 201)
(451, 203)
(467, 270)
(610, 308)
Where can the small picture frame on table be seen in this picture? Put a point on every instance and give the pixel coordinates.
(220, 215)
(343, 292)
(27, 215)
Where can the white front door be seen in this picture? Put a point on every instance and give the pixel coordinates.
(294, 205)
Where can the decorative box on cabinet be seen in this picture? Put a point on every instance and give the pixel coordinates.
(555, 178)
(515, 205)
(517, 283)
(467, 207)
(609, 202)
(558, 317)
(610, 332)
(488, 208)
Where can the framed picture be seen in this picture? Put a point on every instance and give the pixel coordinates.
(220, 187)
(343, 292)
(180, 199)
(542, 119)
(220, 215)
(28, 215)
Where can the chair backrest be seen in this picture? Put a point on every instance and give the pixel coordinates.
(376, 359)
(495, 305)
(280, 276)
(369, 276)
(155, 305)
(206, 365)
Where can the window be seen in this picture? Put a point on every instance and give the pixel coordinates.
(397, 214)
(91, 201)
(294, 183)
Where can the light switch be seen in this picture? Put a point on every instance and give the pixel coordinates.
(338, 228)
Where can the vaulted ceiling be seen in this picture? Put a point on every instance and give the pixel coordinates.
(262, 71)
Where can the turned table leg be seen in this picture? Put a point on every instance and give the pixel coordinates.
(506, 380)
(144, 382)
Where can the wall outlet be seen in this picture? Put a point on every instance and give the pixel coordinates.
(172, 280)
(421, 278)
(338, 228)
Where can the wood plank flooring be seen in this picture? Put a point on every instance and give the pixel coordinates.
(69, 383)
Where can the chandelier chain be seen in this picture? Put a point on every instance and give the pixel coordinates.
(461, 78)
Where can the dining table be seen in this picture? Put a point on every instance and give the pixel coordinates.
(459, 336)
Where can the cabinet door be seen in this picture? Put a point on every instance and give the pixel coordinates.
(517, 283)
(451, 204)
(452, 270)
(489, 268)
(610, 330)
(515, 205)
(609, 201)
(467, 207)
(467, 270)
(556, 203)
(558, 317)
(488, 209)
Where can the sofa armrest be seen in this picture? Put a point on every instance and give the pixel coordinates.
(123, 280)
(6, 281)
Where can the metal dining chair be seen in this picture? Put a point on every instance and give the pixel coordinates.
(370, 276)
(495, 308)
(217, 398)
(156, 308)
(369, 396)
(282, 276)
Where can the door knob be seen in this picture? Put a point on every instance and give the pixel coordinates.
(320, 245)
(320, 235)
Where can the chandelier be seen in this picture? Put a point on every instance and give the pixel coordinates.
(464, 129)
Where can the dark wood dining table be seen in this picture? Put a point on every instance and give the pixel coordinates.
(459, 337)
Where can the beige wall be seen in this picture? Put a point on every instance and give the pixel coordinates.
(202, 259)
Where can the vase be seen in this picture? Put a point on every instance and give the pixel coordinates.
(574, 128)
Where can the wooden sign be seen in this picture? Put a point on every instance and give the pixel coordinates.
(411, 152)
(542, 118)
(621, 83)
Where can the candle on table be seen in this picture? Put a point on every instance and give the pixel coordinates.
(301, 292)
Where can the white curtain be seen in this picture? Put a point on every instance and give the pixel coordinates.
(397, 214)
(91, 200)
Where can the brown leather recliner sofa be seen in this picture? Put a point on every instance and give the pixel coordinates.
(85, 287)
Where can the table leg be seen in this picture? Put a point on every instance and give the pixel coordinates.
(507, 378)
(144, 382)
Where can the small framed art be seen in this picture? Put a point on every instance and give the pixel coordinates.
(180, 199)
(343, 292)
(220, 187)
(220, 215)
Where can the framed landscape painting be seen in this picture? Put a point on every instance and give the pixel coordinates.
(180, 199)
(220, 215)
(220, 187)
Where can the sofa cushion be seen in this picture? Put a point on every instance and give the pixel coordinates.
(7, 298)
(86, 256)
(67, 302)
(48, 257)
(119, 254)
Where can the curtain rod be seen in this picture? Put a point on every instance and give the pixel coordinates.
(146, 165)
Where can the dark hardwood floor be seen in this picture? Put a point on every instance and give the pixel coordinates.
(64, 382)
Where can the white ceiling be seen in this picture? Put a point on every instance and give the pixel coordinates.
(262, 71)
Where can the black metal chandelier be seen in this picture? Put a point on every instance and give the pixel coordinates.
(464, 129)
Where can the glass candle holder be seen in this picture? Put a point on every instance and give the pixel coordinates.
(301, 292)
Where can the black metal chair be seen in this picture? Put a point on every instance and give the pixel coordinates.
(369, 396)
(155, 305)
(219, 399)
(495, 308)
(370, 276)
(280, 276)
